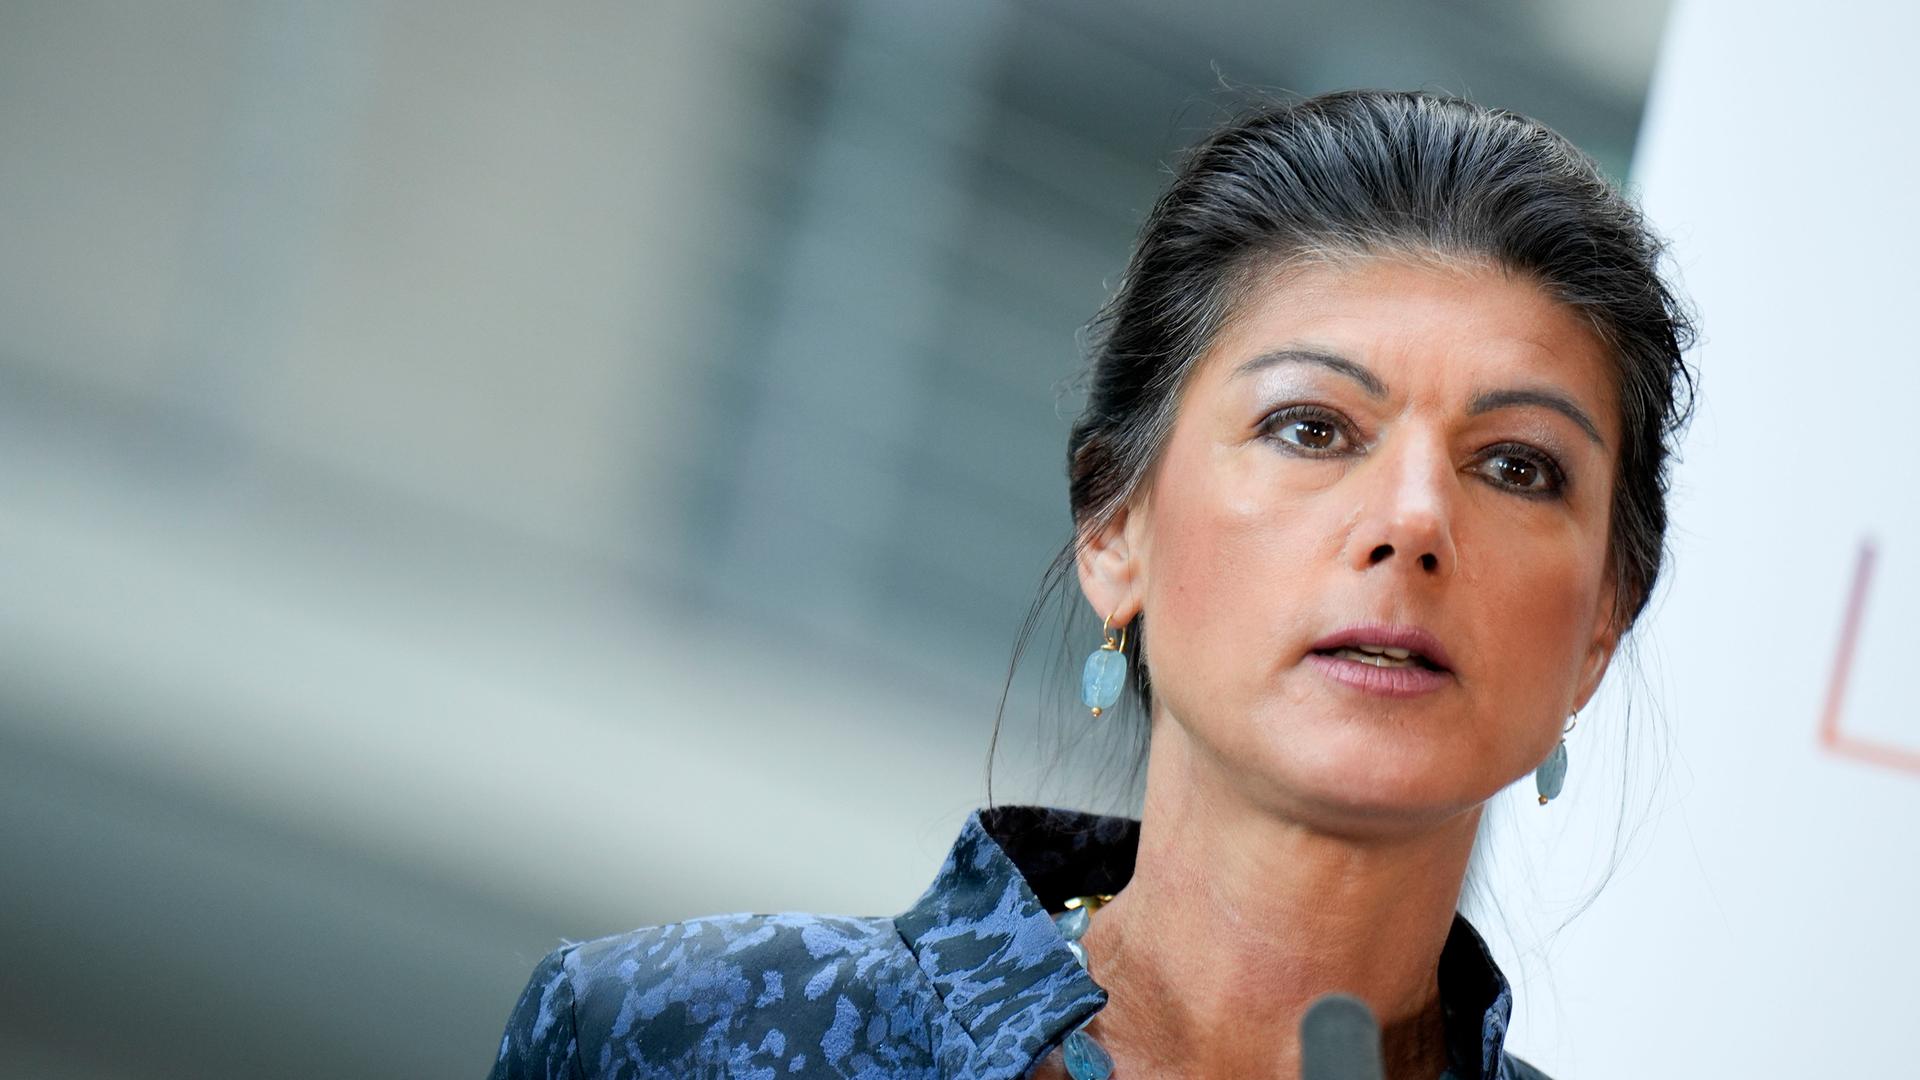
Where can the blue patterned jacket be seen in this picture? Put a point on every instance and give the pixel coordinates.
(973, 982)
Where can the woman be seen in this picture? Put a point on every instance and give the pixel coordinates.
(1369, 486)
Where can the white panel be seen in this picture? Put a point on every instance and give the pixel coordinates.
(1762, 928)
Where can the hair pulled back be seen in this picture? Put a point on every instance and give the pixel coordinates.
(1367, 173)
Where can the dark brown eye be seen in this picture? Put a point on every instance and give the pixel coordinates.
(1524, 472)
(1312, 434)
(1517, 472)
(1306, 428)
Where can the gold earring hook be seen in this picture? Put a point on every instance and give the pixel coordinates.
(1107, 634)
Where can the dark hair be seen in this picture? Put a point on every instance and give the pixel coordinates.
(1360, 173)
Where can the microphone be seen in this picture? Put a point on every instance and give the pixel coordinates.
(1339, 1040)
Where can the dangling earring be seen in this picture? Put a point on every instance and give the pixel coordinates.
(1106, 670)
(1551, 776)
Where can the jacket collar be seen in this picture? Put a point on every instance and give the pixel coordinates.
(983, 933)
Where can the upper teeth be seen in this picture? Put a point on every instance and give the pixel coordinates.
(1377, 655)
(1386, 650)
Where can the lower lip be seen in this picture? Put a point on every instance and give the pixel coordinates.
(1398, 682)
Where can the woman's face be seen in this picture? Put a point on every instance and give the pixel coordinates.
(1377, 442)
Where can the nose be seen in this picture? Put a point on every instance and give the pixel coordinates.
(1406, 515)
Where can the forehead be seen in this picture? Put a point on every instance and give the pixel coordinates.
(1423, 326)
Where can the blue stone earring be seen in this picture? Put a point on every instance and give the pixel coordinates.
(1551, 776)
(1106, 670)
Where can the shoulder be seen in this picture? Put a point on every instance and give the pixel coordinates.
(708, 968)
(727, 995)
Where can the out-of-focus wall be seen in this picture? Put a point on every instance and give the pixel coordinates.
(430, 250)
(479, 474)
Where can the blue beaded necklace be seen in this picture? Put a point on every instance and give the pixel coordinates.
(1086, 1059)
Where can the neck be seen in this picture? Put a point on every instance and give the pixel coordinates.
(1237, 918)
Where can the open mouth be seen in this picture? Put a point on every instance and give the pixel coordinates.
(1381, 656)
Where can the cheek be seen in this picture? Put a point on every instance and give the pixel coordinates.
(1537, 612)
(1229, 551)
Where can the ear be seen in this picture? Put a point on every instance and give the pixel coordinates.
(1606, 637)
(1112, 565)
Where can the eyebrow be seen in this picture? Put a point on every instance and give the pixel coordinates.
(1483, 402)
(1368, 380)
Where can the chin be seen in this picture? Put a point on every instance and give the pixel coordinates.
(1362, 778)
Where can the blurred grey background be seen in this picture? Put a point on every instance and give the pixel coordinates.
(477, 475)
